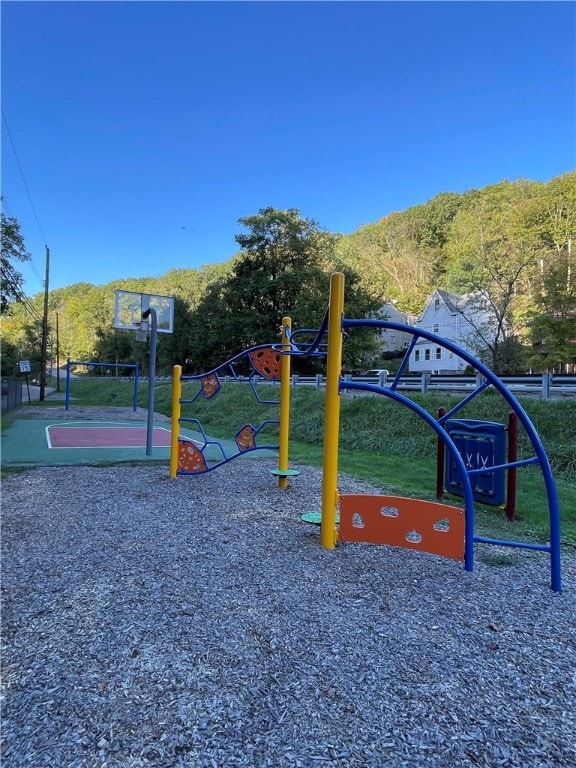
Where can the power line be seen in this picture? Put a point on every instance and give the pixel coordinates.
(23, 179)
(20, 297)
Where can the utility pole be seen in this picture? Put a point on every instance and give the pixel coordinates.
(44, 329)
(151, 313)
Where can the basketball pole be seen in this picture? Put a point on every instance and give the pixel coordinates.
(151, 313)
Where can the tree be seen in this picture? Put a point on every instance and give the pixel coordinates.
(550, 311)
(493, 258)
(283, 270)
(553, 321)
(13, 249)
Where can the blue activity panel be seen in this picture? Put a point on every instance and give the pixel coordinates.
(482, 445)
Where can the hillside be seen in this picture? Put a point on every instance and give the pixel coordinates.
(510, 240)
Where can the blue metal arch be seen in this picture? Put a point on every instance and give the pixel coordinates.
(490, 380)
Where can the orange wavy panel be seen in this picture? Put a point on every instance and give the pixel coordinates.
(400, 522)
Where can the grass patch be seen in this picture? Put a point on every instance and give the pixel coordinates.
(101, 392)
(401, 476)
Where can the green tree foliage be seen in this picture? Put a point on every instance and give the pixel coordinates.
(511, 243)
(21, 335)
(553, 326)
(493, 257)
(12, 249)
(283, 271)
(550, 319)
(402, 256)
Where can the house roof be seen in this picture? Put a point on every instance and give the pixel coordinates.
(454, 302)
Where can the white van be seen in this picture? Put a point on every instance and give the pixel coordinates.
(377, 372)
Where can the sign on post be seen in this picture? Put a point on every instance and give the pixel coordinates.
(24, 366)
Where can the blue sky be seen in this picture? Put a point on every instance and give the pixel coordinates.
(145, 130)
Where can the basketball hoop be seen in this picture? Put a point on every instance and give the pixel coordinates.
(141, 330)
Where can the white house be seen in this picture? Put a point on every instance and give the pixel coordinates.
(455, 318)
(395, 341)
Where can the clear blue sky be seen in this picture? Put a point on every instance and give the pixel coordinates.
(145, 130)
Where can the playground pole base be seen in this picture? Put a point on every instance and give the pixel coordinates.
(284, 472)
(315, 518)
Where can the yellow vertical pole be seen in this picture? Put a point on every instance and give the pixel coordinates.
(176, 410)
(328, 533)
(284, 404)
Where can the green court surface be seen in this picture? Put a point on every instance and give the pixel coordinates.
(25, 443)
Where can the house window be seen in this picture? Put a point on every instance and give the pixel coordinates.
(426, 354)
(436, 304)
(450, 355)
(436, 328)
(417, 355)
(438, 353)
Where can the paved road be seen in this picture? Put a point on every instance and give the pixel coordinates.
(34, 392)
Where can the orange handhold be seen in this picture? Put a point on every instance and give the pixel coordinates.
(266, 362)
(410, 523)
(210, 385)
(190, 459)
(245, 438)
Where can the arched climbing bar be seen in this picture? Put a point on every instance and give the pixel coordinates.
(490, 379)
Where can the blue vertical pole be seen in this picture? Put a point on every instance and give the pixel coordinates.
(67, 384)
(135, 403)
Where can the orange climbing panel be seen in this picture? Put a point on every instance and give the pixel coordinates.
(210, 385)
(190, 459)
(266, 361)
(410, 523)
(246, 438)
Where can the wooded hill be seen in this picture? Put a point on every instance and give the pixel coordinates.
(510, 241)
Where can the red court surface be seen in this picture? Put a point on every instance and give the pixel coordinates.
(104, 436)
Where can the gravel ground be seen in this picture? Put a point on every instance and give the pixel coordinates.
(197, 622)
(84, 412)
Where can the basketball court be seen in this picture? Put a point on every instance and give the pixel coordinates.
(104, 435)
(42, 442)
(52, 442)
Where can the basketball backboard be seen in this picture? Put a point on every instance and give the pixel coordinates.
(129, 305)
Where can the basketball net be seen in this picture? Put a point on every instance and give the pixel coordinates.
(141, 330)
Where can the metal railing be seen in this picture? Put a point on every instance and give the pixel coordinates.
(11, 393)
(545, 385)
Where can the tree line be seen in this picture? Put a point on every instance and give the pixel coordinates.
(508, 244)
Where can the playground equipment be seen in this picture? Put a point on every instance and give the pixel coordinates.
(90, 365)
(428, 526)
(482, 445)
(265, 361)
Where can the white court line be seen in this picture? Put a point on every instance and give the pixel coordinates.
(111, 424)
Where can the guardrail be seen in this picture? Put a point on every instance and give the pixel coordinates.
(545, 385)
